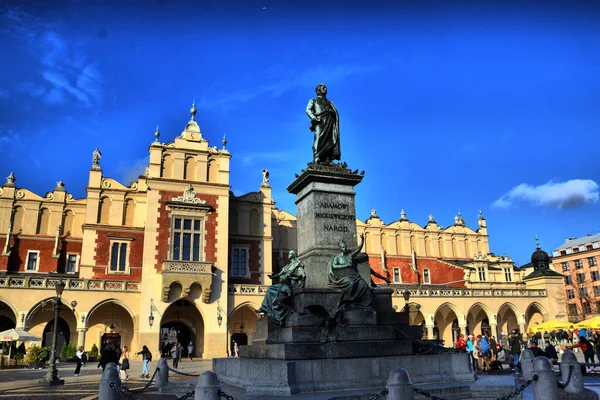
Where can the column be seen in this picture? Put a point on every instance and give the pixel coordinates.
(81, 337)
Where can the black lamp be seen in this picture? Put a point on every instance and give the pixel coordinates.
(151, 318)
(219, 319)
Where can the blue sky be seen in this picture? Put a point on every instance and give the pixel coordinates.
(447, 106)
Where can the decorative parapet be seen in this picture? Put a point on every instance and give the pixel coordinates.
(27, 282)
(187, 273)
(260, 290)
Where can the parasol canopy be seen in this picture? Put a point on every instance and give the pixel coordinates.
(14, 335)
(552, 325)
(593, 322)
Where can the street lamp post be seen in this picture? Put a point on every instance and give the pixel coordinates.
(51, 378)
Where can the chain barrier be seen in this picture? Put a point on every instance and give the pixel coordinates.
(122, 391)
(187, 395)
(181, 372)
(561, 385)
(148, 384)
(507, 397)
(225, 395)
(379, 395)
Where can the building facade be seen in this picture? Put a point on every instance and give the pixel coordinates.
(577, 259)
(176, 257)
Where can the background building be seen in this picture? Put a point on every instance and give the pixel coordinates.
(175, 256)
(577, 258)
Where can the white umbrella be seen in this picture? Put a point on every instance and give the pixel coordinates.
(14, 335)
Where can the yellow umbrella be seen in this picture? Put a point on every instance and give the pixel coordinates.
(552, 325)
(593, 322)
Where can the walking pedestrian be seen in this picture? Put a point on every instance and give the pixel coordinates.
(175, 355)
(124, 362)
(146, 357)
(514, 342)
(79, 360)
(190, 350)
(108, 355)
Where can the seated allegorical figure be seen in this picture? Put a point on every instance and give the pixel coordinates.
(275, 304)
(343, 274)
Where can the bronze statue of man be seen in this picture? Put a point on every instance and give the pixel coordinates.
(325, 123)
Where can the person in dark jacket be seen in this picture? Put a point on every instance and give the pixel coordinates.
(514, 342)
(108, 355)
(537, 352)
(175, 355)
(146, 357)
(551, 353)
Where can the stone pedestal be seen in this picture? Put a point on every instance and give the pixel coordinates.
(326, 215)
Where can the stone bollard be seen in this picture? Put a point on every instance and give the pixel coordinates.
(162, 376)
(546, 386)
(109, 375)
(526, 361)
(576, 383)
(208, 387)
(399, 385)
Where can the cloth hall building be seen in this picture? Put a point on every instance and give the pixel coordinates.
(176, 257)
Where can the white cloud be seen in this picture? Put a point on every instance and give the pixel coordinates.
(131, 171)
(572, 193)
(66, 72)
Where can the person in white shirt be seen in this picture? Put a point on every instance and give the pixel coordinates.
(79, 359)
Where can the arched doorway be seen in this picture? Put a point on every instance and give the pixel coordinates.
(182, 323)
(110, 322)
(478, 320)
(63, 334)
(507, 320)
(8, 319)
(443, 320)
(242, 325)
(534, 315)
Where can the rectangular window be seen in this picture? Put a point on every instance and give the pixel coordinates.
(566, 266)
(118, 257)
(595, 275)
(239, 261)
(397, 275)
(575, 249)
(589, 247)
(426, 277)
(563, 252)
(573, 309)
(583, 292)
(71, 263)
(596, 291)
(580, 278)
(570, 294)
(481, 272)
(578, 264)
(32, 260)
(568, 280)
(186, 239)
(592, 261)
(587, 307)
(508, 274)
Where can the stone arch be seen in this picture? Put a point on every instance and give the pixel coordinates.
(212, 171)
(111, 318)
(68, 219)
(446, 316)
(128, 212)
(175, 292)
(40, 321)
(476, 315)
(104, 210)
(182, 321)
(241, 325)
(6, 309)
(384, 241)
(427, 242)
(43, 221)
(535, 314)
(189, 171)
(368, 245)
(509, 318)
(166, 170)
(233, 220)
(18, 216)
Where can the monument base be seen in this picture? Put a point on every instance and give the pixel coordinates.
(287, 377)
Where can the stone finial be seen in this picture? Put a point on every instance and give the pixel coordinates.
(537, 242)
(374, 213)
(403, 215)
(193, 110)
(480, 217)
(156, 135)
(224, 142)
(10, 179)
(96, 156)
(60, 184)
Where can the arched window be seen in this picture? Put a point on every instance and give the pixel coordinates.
(212, 172)
(167, 167)
(128, 212)
(233, 222)
(104, 211)
(18, 219)
(368, 245)
(189, 172)
(384, 241)
(43, 221)
(68, 223)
